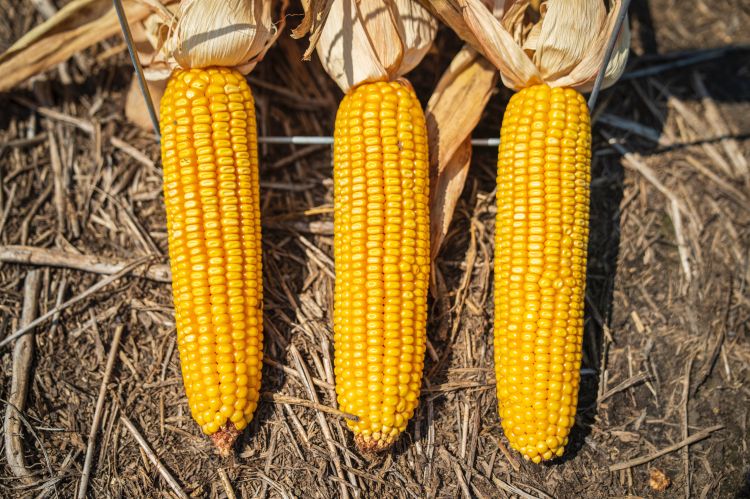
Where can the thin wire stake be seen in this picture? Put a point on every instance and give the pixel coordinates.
(608, 54)
(297, 139)
(137, 66)
(326, 141)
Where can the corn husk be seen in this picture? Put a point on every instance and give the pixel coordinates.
(558, 42)
(231, 33)
(198, 33)
(368, 40)
(316, 13)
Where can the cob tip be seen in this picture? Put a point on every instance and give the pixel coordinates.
(371, 445)
(224, 439)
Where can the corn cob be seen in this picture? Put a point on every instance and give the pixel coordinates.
(541, 239)
(381, 251)
(210, 161)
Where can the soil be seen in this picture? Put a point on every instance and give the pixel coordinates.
(667, 338)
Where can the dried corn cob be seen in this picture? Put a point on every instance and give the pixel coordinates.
(210, 160)
(382, 258)
(541, 239)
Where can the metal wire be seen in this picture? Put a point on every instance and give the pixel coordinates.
(608, 54)
(325, 141)
(137, 65)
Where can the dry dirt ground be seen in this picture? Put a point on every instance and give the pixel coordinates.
(667, 343)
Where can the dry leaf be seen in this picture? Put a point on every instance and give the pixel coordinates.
(469, 80)
(563, 35)
(445, 191)
(150, 36)
(372, 40)
(75, 27)
(566, 43)
(658, 480)
(500, 47)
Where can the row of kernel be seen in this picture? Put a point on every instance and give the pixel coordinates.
(394, 134)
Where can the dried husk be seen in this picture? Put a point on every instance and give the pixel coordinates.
(316, 13)
(469, 79)
(231, 33)
(561, 44)
(371, 40)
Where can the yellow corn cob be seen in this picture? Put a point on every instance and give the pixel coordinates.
(210, 160)
(541, 238)
(382, 258)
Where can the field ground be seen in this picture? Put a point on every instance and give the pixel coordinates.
(667, 345)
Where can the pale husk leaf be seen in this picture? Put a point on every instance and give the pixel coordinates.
(417, 29)
(499, 46)
(512, 19)
(231, 33)
(155, 31)
(583, 76)
(470, 80)
(564, 35)
(380, 28)
(563, 49)
(372, 40)
(449, 12)
(341, 36)
(75, 27)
